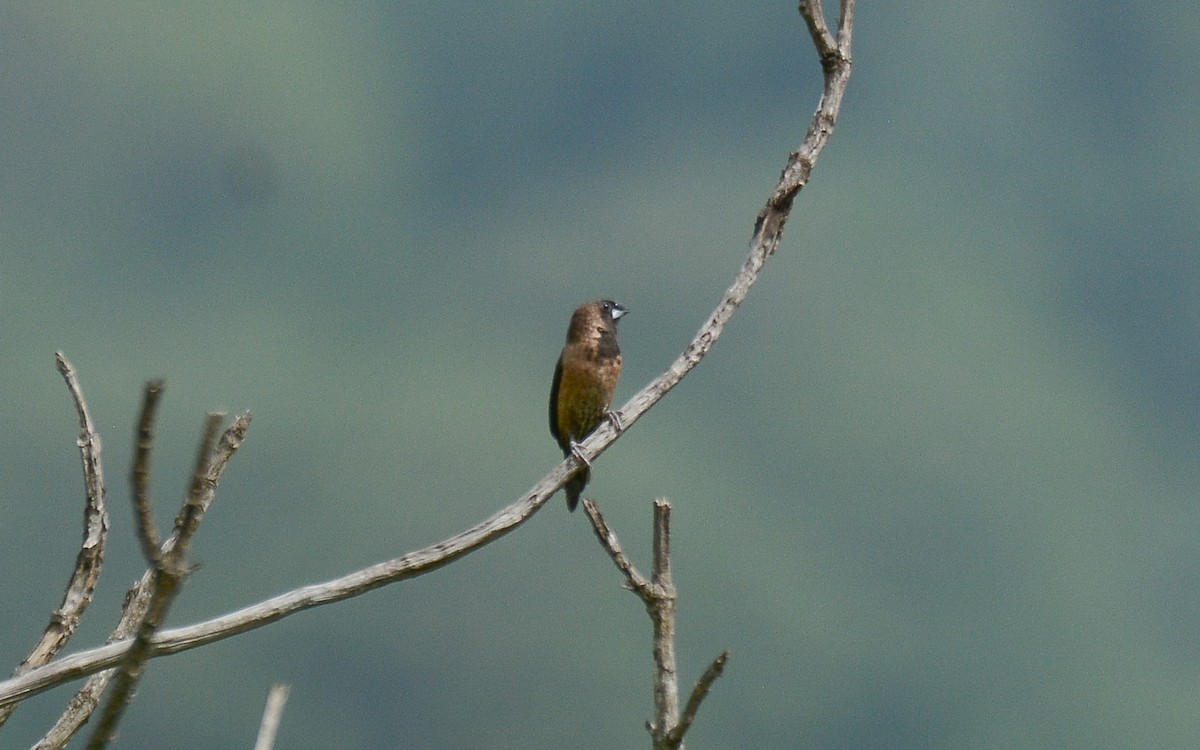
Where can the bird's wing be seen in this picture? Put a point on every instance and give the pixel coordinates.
(558, 371)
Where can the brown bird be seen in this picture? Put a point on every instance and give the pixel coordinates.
(584, 382)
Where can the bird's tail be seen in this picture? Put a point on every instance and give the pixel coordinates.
(575, 485)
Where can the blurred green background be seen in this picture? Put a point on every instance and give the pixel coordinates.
(935, 488)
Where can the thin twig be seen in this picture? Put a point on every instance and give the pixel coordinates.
(170, 568)
(699, 692)
(137, 602)
(147, 530)
(199, 494)
(634, 581)
(90, 560)
(276, 699)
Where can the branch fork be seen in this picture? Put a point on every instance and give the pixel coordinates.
(658, 595)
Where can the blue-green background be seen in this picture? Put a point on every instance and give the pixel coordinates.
(935, 488)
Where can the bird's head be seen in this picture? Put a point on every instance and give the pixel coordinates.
(598, 317)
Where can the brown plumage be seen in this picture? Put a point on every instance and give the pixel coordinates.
(584, 382)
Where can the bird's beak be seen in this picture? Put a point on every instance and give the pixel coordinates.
(619, 311)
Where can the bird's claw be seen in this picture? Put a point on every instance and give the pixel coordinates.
(578, 452)
(614, 418)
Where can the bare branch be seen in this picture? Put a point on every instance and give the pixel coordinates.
(89, 561)
(182, 639)
(768, 230)
(662, 615)
(201, 492)
(276, 699)
(137, 602)
(634, 581)
(169, 567)
(699, 692)
(846, 28)
(658, 594)
(140, 476)
(813, 13)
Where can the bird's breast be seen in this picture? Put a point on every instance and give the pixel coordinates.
(584, 394)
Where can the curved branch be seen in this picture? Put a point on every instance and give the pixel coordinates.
(90, 559)
(768, 230)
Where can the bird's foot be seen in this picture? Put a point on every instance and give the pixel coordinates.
(614, 418)
(578, 452)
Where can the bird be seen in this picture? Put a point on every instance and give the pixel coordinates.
(584, 382)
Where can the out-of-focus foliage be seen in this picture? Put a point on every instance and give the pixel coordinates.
(934, 489)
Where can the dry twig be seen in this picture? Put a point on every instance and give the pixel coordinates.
(168, 566)
(658, 594)
(90, 559)
(137, 602)
(276, 699)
